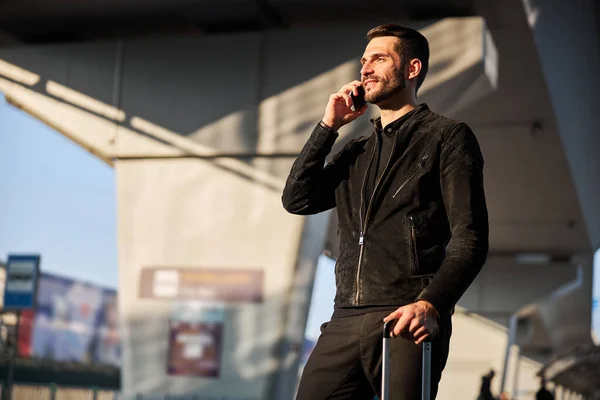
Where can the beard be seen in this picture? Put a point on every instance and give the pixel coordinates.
(387, 87)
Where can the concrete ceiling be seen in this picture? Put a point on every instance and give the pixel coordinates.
(38, 21)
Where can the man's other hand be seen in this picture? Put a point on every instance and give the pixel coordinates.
(416, 322)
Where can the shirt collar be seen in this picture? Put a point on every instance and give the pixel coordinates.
(395, 125)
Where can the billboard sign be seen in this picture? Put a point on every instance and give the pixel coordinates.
(22, 272)
(72, 321)
(198, 284)
(195, 339)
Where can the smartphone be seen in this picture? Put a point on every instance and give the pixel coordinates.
(358, 101)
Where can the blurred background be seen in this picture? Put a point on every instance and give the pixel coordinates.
(145, 252)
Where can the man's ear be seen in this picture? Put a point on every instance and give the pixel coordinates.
(414, 68)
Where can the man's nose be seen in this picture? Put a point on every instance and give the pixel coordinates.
(366, 70)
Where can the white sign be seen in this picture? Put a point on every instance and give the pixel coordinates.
(21, 276)
(166, 284)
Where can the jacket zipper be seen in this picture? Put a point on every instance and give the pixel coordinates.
(421, 165)
(363, 227)
(413, 244)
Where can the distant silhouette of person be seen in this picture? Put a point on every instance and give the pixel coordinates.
(485, 393)
(544, 393)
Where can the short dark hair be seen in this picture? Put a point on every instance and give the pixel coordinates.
(412, 45)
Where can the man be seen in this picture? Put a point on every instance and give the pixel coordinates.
(485, 392)
(543, 393)
(413, 225)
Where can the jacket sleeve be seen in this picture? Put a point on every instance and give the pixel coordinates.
(310, 186)
(461, 179)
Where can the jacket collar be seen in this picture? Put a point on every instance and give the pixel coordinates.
(419, 109)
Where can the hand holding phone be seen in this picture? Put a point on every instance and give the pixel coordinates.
(344, 106)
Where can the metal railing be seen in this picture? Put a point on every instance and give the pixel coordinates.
(28, 391)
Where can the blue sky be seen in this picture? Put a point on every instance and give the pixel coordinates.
(59, 201)
(322, 297)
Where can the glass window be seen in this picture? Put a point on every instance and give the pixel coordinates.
(596, 299)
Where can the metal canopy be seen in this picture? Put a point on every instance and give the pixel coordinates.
(577, 370)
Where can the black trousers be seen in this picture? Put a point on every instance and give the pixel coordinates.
(346, 361)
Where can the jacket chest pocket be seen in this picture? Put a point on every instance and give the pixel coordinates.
(421, 166)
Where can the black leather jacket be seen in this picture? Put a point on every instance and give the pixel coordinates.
(421, 234)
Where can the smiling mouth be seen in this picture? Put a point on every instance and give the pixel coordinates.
(368, 83)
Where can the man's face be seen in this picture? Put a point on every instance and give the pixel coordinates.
(382, 71)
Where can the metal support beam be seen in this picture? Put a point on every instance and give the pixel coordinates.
(512, 332)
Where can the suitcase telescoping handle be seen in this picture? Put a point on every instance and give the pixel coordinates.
(385, 378)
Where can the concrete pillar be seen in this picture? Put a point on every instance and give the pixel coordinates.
(214, 226)
(559, 393)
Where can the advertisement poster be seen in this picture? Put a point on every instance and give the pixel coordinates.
(195, 339)
(73, 321)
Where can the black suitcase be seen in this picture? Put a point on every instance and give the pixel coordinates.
(385, 378)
